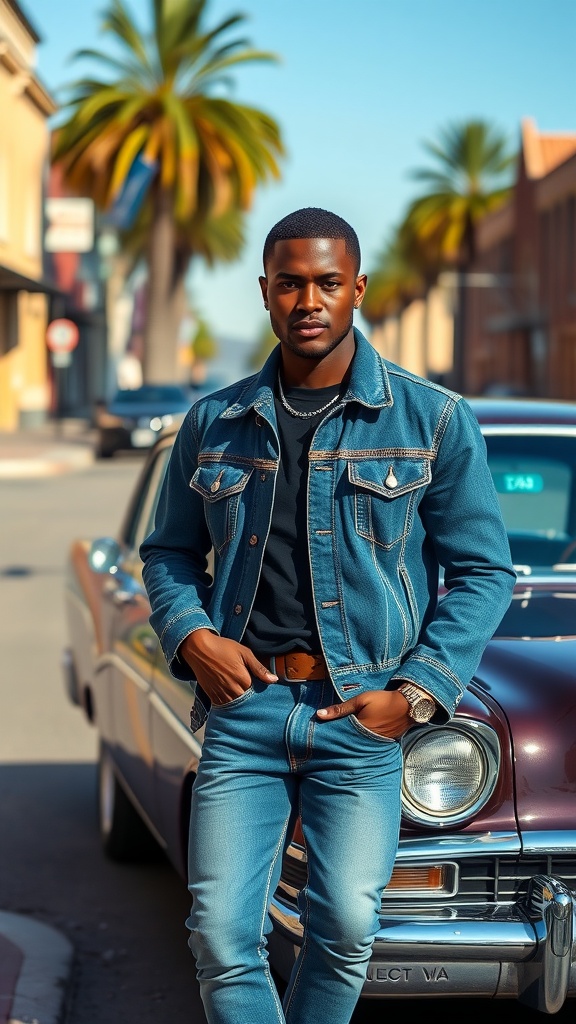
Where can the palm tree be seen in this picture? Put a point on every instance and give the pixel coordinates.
(403, 270)
(161, 110)
(470, 178)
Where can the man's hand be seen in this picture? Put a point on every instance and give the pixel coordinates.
(385, 712)
(223, 668)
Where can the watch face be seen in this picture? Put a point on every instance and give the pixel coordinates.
(423, 710)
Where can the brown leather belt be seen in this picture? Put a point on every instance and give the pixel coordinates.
(295, 666)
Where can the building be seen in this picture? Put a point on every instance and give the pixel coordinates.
(25, 106)
(520, 331)
(508, 324)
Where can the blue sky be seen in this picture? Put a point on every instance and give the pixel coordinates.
(358, 88)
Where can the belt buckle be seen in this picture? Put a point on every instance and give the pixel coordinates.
(286, 677)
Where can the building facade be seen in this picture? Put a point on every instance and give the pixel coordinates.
(507, 325)
(520, 322)
(25, 106)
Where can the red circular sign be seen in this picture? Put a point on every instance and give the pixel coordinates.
(62, 335)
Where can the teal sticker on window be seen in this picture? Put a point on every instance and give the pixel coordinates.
(519, 483)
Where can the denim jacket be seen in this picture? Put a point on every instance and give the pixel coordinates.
(399, 493)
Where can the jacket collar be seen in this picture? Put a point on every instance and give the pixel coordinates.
(369, 383)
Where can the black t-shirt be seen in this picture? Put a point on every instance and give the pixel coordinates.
(283, 617)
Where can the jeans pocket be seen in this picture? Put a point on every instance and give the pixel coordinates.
(235, 702)
(365, 731)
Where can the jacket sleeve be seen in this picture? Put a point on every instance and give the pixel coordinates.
(462, 519)
(176, 552)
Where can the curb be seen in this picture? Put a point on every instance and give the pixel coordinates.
(35, 968)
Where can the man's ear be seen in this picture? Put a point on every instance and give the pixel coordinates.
(359, 290)
(264, 289)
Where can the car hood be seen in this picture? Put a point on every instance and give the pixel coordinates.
(533, 680)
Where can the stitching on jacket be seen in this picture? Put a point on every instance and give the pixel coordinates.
(241, 460)
(337, 563)
(397, 371)
(444, 419)
(181, 615)
(372, 453)
(437, 665)
(367, 669)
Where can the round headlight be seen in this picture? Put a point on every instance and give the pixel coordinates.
(449, 772)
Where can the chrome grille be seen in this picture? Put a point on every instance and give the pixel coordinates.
(481, 879)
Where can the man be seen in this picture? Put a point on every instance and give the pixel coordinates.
(330, 488)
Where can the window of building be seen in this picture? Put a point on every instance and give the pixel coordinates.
(32, 226)
(4, 199)
(8, 321)
(570, 246)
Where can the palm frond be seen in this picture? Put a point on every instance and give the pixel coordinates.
(118, 21)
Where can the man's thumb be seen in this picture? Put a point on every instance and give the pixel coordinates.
(348, 707)
(258, 669)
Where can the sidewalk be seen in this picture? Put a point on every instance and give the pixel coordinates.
(35, 967)
(35, 959)
(48, 450)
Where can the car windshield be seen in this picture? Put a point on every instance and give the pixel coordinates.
(535, 479)
(152, 394)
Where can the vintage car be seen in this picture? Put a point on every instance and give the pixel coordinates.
(482, 902)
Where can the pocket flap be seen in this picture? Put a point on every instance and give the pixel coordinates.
(389, 477)
(215, 481)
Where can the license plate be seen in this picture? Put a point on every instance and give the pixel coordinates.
(438, 978)
(143, 437)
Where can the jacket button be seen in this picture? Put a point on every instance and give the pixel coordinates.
(237, 609)
(262, 477)
(253, 540)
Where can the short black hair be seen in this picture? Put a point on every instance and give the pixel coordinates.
(313, 222)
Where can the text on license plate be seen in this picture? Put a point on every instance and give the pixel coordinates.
(427, 973)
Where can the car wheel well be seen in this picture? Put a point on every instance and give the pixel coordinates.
(124, 835)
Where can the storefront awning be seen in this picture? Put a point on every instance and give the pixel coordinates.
(11, 281)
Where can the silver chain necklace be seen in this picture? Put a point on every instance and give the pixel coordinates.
(296, 412)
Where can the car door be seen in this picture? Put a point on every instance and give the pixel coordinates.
(133, 647)
(176, 753)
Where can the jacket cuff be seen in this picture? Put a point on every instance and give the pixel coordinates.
(175, 633)
(425, 672)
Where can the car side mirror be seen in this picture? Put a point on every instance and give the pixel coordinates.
(104, 555)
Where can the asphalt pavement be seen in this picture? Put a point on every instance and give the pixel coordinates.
(35, 959)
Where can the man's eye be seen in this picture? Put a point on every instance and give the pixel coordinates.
(331, 285)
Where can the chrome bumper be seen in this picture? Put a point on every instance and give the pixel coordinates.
(525, 951)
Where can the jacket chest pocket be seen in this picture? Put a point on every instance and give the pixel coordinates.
(221, 488)
(385, 493)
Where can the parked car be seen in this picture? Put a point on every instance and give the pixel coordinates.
(482, 901)
(134, 418)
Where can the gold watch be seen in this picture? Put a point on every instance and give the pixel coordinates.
(422, 706)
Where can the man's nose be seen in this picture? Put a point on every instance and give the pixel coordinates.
(309, 297)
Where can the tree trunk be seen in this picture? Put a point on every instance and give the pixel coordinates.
(165, 298)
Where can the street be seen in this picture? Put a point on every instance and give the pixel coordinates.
(126, 923)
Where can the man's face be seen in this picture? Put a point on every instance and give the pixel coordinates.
(311, 290)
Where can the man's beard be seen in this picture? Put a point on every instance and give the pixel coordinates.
(304, 351)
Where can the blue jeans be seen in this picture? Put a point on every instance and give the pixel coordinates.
(266, 759)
